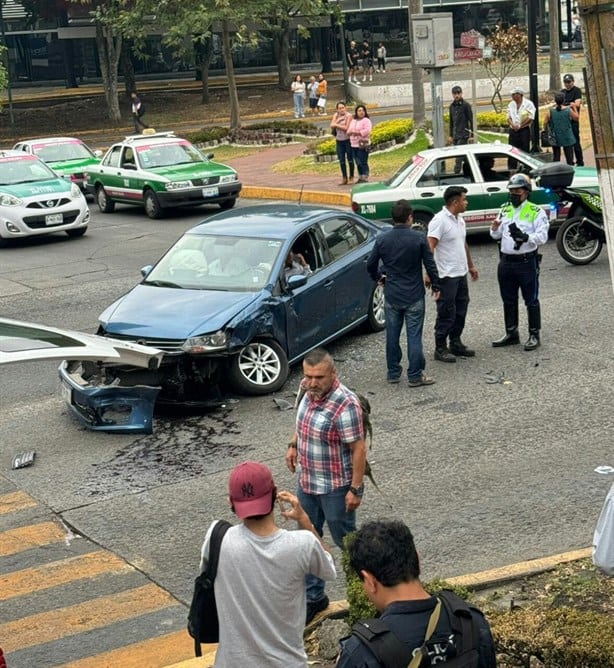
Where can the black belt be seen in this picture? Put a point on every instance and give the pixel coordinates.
(524, 257)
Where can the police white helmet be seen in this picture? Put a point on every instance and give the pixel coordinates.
(520, 181)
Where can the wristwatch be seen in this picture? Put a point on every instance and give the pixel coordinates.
(357, 491)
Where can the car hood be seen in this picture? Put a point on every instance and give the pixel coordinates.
(192, 171)
(39, 188)
(73, 165)
(26, 341)
(152, 312)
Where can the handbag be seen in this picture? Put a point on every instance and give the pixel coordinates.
(203, 623)
(364, 143)
(547, 136)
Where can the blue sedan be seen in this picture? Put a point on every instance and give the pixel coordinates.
(224, 306)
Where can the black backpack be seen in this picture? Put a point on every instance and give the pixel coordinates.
(203, 624)
(392, 653)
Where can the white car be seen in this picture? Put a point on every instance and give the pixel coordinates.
(34, 200)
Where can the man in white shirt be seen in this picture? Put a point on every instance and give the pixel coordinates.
(447, 239)
(520, 115)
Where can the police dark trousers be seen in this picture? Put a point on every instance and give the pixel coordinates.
(520, 272)
(452, 308)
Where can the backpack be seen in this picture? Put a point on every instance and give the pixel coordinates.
(392, 653)
(203, 624)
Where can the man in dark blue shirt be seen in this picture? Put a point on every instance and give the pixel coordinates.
(396, 260)
(384, 556)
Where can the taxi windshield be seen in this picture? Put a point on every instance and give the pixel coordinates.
(169, 154)
(24, 170)
(62, 152)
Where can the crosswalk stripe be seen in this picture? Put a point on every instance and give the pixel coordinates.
(62, 622)
(153, 653)
(10, 503)
(28, 537)
(60, 572)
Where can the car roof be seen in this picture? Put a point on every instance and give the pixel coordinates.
(467, 148)
(49, 140)
(10, 153)
(278, 221)
(152, 137)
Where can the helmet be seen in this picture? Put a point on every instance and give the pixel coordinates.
(520, 181)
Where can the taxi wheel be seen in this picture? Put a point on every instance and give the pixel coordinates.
(105, 204)
(77, 233)
(421, 221)
(228, 203)
(259, 368)
(151, 204)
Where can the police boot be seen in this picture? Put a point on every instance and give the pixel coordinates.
(534, 317)
(511, 338)
(442, 354)
(458, 348)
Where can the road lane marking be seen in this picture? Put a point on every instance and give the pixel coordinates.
(28, 537)
(37, 578)
(87, 616)
(10, 503)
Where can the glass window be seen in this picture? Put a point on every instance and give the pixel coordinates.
(342, 236)
(112, 160)
(448, 171)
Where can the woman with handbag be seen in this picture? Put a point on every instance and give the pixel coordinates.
(359, 132)
(339, 126)
(298, 92)
(558, 120)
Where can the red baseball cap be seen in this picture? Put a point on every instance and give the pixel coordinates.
(249, 487)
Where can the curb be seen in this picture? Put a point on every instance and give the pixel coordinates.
(297, 195)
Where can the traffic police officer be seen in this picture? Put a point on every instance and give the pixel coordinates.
(520, 227)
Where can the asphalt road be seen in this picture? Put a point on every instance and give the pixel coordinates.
(485, 473)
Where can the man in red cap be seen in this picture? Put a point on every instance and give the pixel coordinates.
(259, 588)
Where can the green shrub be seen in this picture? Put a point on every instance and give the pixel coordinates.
(491, 119)
(208, 134)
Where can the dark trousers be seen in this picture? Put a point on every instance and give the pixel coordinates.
(520, 139)
(523, 275)
(451, 309)
(344, 151)
(361, 158)
(577, 149)
(556, 154)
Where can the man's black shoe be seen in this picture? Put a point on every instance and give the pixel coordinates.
(510, 339)
(313, 607)
(532, 342)
(458, 348)
(443, 355)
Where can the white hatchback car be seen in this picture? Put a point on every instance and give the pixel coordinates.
(34, 200)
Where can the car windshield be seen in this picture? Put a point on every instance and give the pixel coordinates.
(62, 152)
(23, 170)
(208, 262)
(403, 172)
(166, 154)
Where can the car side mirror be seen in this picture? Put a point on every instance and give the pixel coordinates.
(146, 270)
(209, 156)
(98, 153)
(296, 281)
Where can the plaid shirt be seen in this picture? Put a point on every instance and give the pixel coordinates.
(325, 429)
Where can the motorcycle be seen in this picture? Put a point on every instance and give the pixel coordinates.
(581, 236)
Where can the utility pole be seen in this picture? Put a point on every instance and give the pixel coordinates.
(417, 87)
(533, 81)
(597, 23)
(9, 92)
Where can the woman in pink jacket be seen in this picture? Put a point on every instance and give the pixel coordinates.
(359, 133)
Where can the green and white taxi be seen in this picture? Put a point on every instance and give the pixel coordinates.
(34, 200)
(160, 171)
(68, 156)
(483, 169)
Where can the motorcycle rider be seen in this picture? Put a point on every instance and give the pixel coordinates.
(520, 228)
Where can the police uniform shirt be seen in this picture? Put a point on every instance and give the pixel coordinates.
(530, 219)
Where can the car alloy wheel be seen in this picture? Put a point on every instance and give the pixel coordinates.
(152, 206)
(259, 368)
(377, 315)
(105, 204)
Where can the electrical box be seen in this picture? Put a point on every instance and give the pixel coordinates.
(433, 40)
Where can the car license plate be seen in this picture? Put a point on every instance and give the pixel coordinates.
(66, 393)
(211, 192)
(54, 219)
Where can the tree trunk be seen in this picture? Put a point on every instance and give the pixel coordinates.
(281, 50)
(127, 67)
(109, 49)
(417, 74)
(555, 46)
(235, 114)
(203, 53)
(325, 58)
(68, 50)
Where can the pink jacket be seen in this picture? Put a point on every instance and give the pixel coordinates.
(362, 127)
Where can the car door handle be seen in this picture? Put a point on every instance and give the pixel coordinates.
(493, 190)
(427, 194)
(329, 283)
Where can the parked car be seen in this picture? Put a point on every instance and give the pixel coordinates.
(484, 169)
(160, 171)
(34, 200)
(107, 407)
(67, 156)
(220, 306)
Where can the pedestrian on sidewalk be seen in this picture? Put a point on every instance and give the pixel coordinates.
(447, 238)
(367, 61)
(138, 111)
(560, 119)
(381, 58)
(312, 89)
(396, 261)
(461, 123)
(520, 115)
(322, 94)
(298, 95)
(353, 57)
(259, 587)
(339, 126)
(359, 132)
(573, 98)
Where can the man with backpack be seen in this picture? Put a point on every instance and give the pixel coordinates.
(443, 628)
(138, 111)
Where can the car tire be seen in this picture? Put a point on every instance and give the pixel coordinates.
(376, 316)
(421, 221)
(105, 204)
(3, 242)
(79, 232)
(152, 205)
(260, 367)
(228, 203)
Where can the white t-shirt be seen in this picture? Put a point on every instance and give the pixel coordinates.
(260, 595)
(518, 114)
(450, 254)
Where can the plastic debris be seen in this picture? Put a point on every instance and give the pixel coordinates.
(23, 459)
(282, 404)
(604, 469)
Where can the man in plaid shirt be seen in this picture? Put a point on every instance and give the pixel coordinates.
(330, 449)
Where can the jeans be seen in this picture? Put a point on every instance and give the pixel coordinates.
(299, 105)
(329, 507)
(361, 158)
(344, 151)
(451, 309)
(413, 317)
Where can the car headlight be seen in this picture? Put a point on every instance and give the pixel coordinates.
(75, 191)
(205, 343)
(228, 178)
(7, 199)
(178, 185)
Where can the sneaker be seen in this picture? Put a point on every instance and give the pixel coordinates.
(443, 355)
(313, 607)
(423, 380)
(395, 380)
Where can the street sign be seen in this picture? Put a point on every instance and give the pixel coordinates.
(467, 54)
(472, 39)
